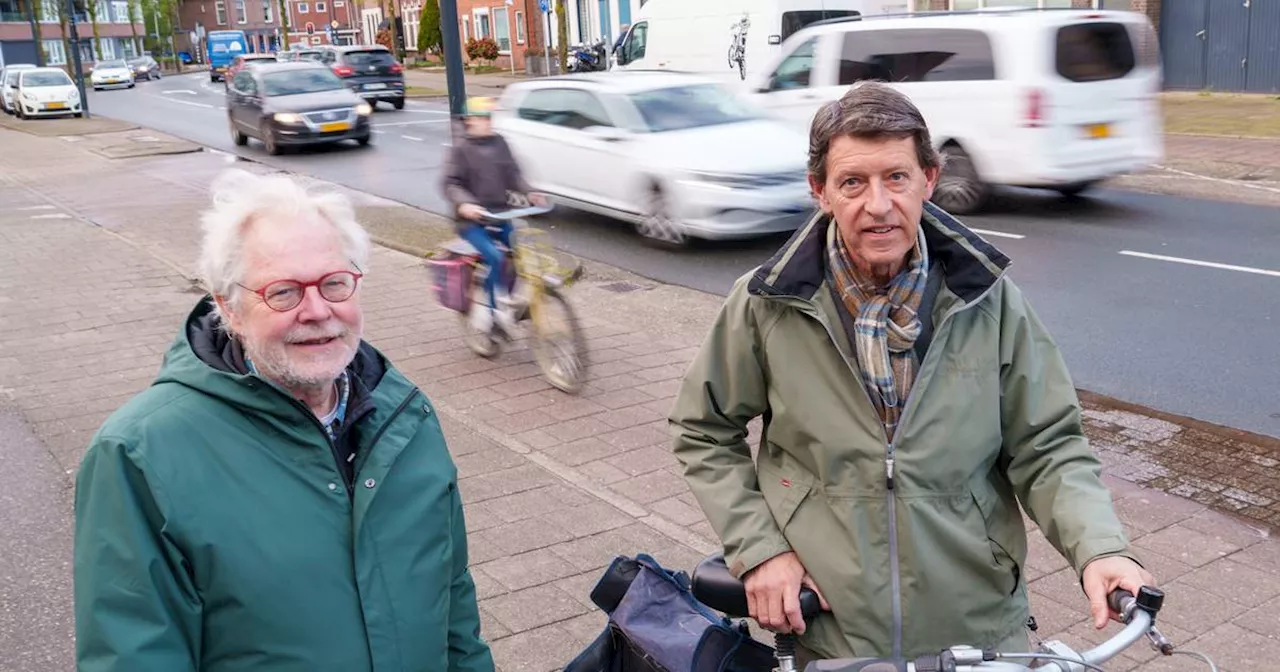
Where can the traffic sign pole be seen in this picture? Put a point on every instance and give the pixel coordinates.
(453, 58)
(545, 7)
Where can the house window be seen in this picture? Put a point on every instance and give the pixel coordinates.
(267, 17)
(303, 8)
(241, 15)
(466, 31)
(519, 27)
(502, 29)
(53, 50)
(220, 10)
(483, 30)
(320, 7)
(412, 15)
(120, 11)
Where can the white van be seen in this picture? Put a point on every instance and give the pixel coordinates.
(728, 38)
(1052, 98)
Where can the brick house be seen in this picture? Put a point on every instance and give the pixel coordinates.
(259, 19)
(308, 20)
(516, 25)
(115, 34)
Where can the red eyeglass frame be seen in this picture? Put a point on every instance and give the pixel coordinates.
(262, 291)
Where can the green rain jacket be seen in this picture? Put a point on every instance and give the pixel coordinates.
(214, 531)
(917, 544)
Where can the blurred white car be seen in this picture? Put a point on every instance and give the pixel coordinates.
(111, 75)
(9, 84)
(677, 155)
(44, 92)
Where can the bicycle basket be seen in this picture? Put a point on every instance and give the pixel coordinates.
(451, 276)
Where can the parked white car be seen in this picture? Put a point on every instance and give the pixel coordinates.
(44, 92)
(111, 75)
(1056, 99)
(9, 84)
(678, 156)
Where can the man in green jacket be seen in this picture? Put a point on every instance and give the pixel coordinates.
(911, 401)
(281, 498)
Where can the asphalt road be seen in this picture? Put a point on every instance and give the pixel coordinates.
(1193, 330)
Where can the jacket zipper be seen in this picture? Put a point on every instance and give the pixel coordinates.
(895, 572)
(349, 482)
(386, 425)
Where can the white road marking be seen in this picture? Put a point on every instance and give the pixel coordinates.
(407, 109)
(56, 215)
(998, 234)
(186, 91)
(378, 132)
(35, 207)
(413, 123)
(1207, 264)
(182, 102)
(410, 137)
(1237, 183)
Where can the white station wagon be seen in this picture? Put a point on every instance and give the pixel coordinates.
(679, 156)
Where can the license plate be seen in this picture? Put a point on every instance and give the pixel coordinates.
(1098, 131)
(375, 86)
(335, 126)
(55, 106)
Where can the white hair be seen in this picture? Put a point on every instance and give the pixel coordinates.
(241, 198)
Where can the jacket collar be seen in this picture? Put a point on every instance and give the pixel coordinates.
(970, 264)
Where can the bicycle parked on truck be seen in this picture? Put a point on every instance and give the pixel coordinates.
(714, 586)
(535, 278)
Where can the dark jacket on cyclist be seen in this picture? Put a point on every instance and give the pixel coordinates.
(481, 170)
(992, 422)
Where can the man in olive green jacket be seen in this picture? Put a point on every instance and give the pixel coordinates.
(911, 400)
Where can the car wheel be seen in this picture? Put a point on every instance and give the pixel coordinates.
(960, 189)
(240, 139)
(79, 115)
(1076, 188)
(398, 103)
(268, 136)
(364, 140)
(131, 86)
(659, 225)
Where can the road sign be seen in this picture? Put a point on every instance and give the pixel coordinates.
(334, 24)
(544, 6)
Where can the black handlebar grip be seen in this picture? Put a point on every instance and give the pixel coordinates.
(1118, 600)
(858, 665)
(810, 605)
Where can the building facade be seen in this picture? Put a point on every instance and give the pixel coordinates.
(115, 34)
(516, 25)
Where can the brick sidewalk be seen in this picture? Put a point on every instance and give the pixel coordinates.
(554, 486)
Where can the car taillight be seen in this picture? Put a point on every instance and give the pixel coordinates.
(396, 68)
(343, 71)
(1035, 109)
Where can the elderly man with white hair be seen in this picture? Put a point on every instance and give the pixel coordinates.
(281, 498)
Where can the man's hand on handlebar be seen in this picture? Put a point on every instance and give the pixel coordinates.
(773, 593)
(1104, 575)
(471, 211)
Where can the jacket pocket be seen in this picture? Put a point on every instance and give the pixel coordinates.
(784, 494)
(1001, 547)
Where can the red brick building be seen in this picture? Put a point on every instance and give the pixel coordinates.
(516, 27)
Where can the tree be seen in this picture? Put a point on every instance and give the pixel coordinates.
(284, 25)
(562, 24)
(93, 20)
(134, 10)
(430, 37)
(31, 9)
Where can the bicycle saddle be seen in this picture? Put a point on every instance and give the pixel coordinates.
(714, 586)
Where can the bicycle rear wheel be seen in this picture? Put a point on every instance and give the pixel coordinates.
(558, 343)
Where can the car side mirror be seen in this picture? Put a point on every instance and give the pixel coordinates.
(607, 133)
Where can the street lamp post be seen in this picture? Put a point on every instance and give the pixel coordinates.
(454, 80)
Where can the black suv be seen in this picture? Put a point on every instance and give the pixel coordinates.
(371, 71)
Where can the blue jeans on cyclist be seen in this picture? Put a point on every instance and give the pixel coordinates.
(481, 239)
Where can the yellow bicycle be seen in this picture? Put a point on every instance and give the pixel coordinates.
(556, 338)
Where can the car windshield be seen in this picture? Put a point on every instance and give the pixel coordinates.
(58, 78)
(294, 82)
(683, 107)
(107, 65)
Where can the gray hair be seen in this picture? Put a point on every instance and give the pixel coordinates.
(241, 198)
(869, 110)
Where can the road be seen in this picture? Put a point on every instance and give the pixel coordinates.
(1167, 302)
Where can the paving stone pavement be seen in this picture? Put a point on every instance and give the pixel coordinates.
(93, 286)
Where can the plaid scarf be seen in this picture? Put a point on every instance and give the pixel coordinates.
(885, 324)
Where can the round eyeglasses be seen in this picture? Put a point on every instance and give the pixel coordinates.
(285, 295)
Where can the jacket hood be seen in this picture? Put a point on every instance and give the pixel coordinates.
(205, 358)
(970, 264)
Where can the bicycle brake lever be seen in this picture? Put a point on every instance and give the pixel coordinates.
(1159, 641)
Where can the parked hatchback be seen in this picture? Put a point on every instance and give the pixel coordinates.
(45, 92)
(371, 71)
(1055, 99)
(678, 156)
(9, 85)
(292, 104)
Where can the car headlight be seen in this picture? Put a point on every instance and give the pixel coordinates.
(364, 109)
(287, 118)
(75, 95)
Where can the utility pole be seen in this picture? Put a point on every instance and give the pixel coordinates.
(75, 57)
(454, 80)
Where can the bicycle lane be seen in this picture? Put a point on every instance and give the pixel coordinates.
(554, 486)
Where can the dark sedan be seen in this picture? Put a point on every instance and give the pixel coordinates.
(291, 104)
(145, 67)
